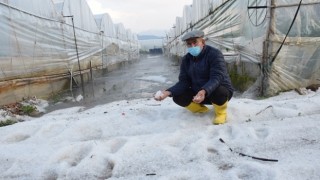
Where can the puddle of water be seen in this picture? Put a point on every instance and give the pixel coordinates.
(140, 79)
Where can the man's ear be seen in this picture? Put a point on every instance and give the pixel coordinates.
(203, 41)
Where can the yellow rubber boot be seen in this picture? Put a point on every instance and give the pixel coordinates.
(197, 108)
(221, 113)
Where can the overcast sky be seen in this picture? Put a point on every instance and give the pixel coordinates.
(141, 15)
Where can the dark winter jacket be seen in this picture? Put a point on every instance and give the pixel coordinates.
(206, 71)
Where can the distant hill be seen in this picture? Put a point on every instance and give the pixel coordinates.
(155, 32)
(151, 34)
(147, 37)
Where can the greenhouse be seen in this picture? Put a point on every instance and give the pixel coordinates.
(270, 46)
(48, 45)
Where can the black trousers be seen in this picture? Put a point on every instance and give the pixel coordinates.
(219, 97)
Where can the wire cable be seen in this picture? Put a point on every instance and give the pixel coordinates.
(294, 19)
(253, 157)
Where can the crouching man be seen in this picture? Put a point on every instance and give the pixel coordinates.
(203, 79)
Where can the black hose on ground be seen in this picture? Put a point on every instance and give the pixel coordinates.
(253, 157)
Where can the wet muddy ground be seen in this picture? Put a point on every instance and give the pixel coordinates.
(139, 79)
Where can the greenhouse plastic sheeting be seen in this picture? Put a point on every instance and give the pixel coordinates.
(187, 14)
(286, 58)
(79, 9)
(106, 25)
(43, 8)
(45, 46)
(36, 40)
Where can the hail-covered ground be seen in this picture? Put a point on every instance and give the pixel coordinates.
(147, 139)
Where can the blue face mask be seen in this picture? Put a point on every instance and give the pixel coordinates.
(195, 50)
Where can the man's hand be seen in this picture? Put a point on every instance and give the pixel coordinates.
(161, 95)
(199, 97)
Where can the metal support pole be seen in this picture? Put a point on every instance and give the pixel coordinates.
(102, 48)
(75, 41)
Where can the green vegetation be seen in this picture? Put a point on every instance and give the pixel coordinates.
(241, 81)
(7, 122)
(55, 98)
(28, 109)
